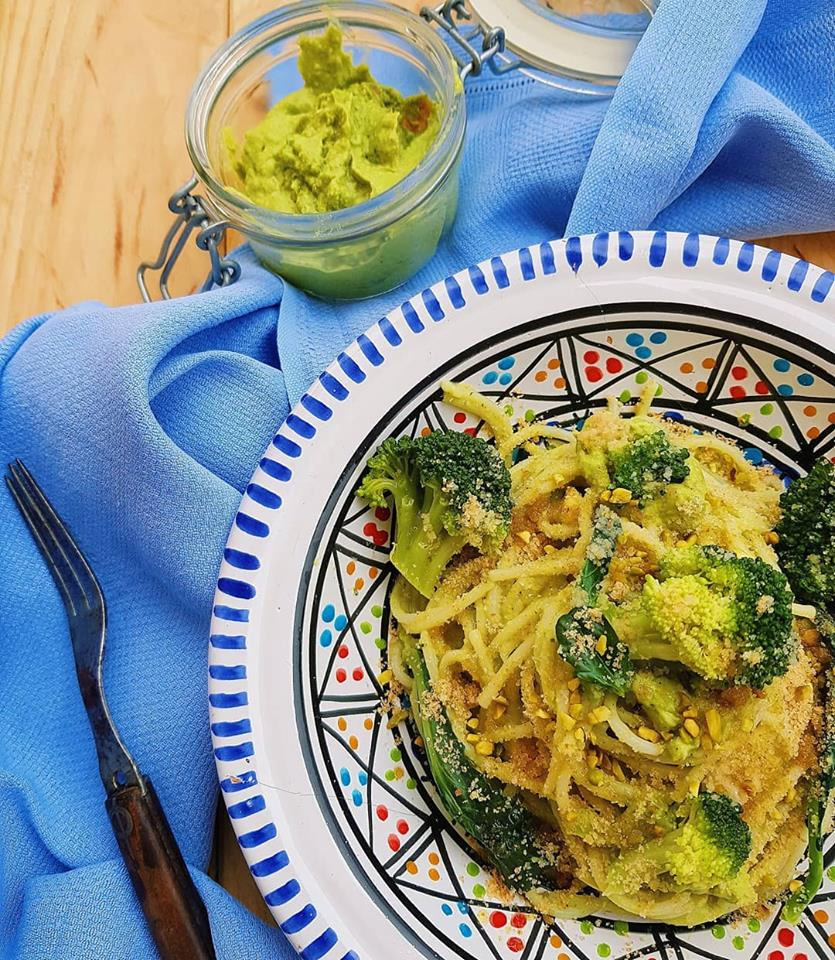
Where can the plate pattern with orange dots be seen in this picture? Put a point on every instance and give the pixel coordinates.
(776, 399)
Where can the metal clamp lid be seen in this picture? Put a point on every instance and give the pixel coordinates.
(473, 59)
(189, 215)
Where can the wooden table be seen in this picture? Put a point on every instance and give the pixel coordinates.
(92, 97)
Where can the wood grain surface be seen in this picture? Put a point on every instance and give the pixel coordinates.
(92, 99)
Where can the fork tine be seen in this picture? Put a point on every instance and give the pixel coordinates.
(81, 567)
(82, 570)
(58, 534)
(38, 532)
(63, 547)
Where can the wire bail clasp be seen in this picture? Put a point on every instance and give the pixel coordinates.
(474, 55)
(189, 215)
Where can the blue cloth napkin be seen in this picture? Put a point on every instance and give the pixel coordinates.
(144, 423)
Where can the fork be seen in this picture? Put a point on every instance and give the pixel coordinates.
(170, 902)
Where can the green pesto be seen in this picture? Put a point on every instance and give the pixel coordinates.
(339, 140)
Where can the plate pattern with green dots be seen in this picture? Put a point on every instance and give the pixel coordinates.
(549, 334)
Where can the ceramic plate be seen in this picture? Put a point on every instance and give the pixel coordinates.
(332, 809)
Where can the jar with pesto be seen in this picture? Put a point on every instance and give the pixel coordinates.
(329, 134)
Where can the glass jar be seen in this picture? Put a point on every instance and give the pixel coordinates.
(361, 250)
(589, 42)
(580, 46)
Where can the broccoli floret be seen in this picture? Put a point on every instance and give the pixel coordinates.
(762, 604)
(705, 850)
(724, 617)
(680, 620)
(660, 699)
(585, 637)
(807, 536)
(647, 464)
(449, 489)
(499, 822)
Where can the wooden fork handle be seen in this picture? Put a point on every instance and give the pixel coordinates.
(172, 906)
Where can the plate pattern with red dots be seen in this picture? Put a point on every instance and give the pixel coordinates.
(780, 406)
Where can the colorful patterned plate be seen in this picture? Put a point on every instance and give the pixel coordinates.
(333, 809)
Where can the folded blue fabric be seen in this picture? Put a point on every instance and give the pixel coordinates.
(144, 423)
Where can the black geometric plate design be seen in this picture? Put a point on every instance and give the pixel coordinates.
(332, 808)
(780, 404)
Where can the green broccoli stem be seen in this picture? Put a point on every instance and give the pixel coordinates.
(422, 558)
(642, 638)
(641, 635)
(422, 547)
(816, 804)
(660, 699)
(802, 897)
(500, 824)
(647, 648)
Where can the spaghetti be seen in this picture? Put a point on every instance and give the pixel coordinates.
(603, 774)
